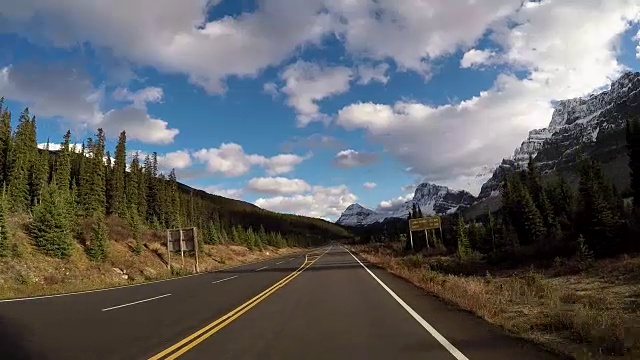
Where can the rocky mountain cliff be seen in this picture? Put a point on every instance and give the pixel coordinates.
(431, 198)
(593, 126)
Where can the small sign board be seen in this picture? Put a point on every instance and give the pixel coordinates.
(426, 223)
(182, 240)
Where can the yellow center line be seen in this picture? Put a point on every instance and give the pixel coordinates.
(229, 317)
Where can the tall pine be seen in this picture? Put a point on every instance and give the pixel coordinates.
(22, 156)
(5, 141)
(633, 150)
(119, 200)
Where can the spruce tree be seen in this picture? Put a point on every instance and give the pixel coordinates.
(5, 142)
(119, 199)
(633, 151)
(39, 174)
(62, 172)
(97, 249)
(464, 248)
(50, 227)
(539, 196)
(108, 176)
(4, 231)
(98, 180)
(22, 156)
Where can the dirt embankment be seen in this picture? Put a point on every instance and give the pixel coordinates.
(27, 272)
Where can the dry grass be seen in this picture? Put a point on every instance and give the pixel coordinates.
(29, 273)
(589, 315)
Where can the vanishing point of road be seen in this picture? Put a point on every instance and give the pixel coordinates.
(324, 304)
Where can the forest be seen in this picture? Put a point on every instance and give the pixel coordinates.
(57, 190)
(541, 219)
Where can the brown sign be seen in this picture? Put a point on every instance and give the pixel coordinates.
(181, 239)
(426, 223)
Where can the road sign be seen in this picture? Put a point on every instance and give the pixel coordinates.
(426, 223)
(182, 240)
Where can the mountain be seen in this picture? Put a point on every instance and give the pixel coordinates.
(431, 198)
(593, 126)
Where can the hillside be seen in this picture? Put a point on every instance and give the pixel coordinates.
(84, 211)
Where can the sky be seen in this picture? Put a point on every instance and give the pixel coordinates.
(308, 106)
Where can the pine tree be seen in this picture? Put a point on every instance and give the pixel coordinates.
(633, 150)
(97, 249)
(464, 248)
(4, 231)
(538, 194)
(5, 142)
(22, 156)
(119, 200)
(136, 228)
(108, 176)
(50, 227)
(98, 180)
(532, 220)
(63, 163)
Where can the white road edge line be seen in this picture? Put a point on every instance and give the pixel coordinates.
(136, 302)
(262, 268)
(452, 349)
(278, 263)
(225, 279)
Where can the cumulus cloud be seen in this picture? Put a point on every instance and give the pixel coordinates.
(231, 160)
(475, 58)
(180, 159)
(369, 185)
(57, 146)
(236, 194)
(270, 88)
(57, 91)
(321, 202)
(278, 186)
(307, 83)
(547, 39)
(393, 205)
(368, 73)
(141, 97)
(351, 158)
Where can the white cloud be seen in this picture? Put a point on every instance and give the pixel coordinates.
(231, 160)
(313, 141)
(351, 158)
(637, 38)
(369, 185)
(270, 88)
(180, 159)
(569, 48)
(63, 92)
(322, 202)
(278, 186)
(141, 97)
(475, 57)
(236, 194)
(393, 205)
(368, 73)
(307, 83)
(56, 146)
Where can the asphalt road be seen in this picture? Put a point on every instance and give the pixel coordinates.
(324, 305)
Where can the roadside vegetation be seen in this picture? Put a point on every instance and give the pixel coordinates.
(555, 265)
(72, 217)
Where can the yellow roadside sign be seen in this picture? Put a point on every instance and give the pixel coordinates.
(426, 223)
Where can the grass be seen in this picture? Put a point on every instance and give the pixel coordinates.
(27, 272)
(589, 314)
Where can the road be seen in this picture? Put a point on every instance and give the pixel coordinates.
(327, 304)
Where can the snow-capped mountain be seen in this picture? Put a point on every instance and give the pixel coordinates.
(592, 124)
(431, 198)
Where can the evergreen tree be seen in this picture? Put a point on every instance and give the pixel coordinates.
(39, 174)
(5, 141)
(22, 156)
(98, 180)
(464, 248)
(119, 200)
(108, 176)
(420, 216)
(4, 231)
(633, 150)
(97, 249)
(532, 220)
(539, 196)
(136, 228)
(50, 227)
(63, 163)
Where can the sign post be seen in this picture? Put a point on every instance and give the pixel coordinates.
(426, 223)
(181, 240)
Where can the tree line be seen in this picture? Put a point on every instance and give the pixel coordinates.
(552, 219)
(59, 189)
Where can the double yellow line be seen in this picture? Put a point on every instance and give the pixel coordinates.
(194, 339)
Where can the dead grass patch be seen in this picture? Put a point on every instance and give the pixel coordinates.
(589, 315)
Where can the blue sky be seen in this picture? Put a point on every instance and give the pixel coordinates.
(310, 106)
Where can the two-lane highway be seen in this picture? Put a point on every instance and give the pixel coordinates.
(327, 304)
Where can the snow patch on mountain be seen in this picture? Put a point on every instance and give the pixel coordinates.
(431, 198)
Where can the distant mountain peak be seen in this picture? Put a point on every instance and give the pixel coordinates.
(431, 198)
